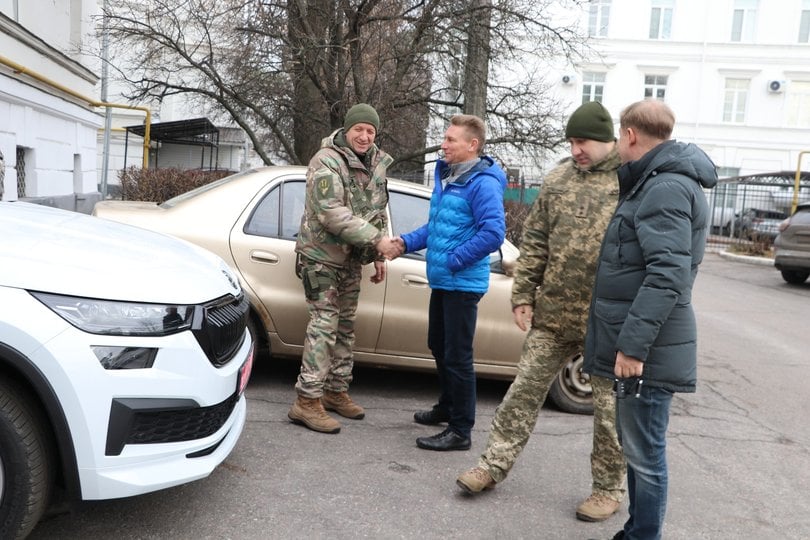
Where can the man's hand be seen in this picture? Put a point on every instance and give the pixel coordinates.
(390, 248)
(627, 366)
(379, 272)
(523, 316)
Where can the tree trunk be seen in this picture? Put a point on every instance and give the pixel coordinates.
(476, 67)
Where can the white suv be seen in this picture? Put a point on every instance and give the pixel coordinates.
(123, 359)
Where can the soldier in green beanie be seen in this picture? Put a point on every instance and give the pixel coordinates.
(344, 226)
(551, 294)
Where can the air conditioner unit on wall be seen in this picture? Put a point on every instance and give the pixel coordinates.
(776, 87)
(568, 78)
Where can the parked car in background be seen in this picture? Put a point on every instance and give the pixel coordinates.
(792, 246)
(758, 224)
(123, 360)
(251, 220)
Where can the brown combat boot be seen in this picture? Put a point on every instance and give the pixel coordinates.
(342, 403)
(597, 508)
(309, 412)
(475, 480)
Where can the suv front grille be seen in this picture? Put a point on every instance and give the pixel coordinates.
(222, 328)
(149, 421)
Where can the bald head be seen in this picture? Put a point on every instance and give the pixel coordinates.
(643, 126)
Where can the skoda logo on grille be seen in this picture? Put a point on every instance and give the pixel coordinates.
(230, 279)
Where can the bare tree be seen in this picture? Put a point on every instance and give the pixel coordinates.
(287, 71)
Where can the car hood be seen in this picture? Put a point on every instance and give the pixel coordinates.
(51, 250)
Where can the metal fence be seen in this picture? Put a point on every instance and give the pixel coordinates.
(746, 210)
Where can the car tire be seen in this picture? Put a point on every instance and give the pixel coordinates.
(571, 391)
(25, 464)
(795, 277)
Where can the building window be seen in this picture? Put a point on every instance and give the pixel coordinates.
(798, 104)
(727, 172)
(743, 19)
(593, 86)
(655, 86)
(661, 19)
(804, 23)
(598, 18)
(736, 95)
(20, 167)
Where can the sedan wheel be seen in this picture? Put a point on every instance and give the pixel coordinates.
(795, 277)
(571, 391)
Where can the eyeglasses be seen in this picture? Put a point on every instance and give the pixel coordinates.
(627, 387)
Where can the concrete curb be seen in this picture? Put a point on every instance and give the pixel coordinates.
(762, 261)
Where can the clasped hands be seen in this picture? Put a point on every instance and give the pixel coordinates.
(390, 247)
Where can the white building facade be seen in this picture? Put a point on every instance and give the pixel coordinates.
(48, 127)
(735, 72)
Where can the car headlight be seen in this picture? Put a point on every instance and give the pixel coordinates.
(108, 317)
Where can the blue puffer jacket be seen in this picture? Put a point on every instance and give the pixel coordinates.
(466, 224)
(642, 299)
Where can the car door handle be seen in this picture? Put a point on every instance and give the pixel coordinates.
(413, 280)
(264, 257)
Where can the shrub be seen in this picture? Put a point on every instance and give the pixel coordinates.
(158, 185)
(516, 214)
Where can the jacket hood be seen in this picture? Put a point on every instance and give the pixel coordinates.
(485, 165)
(674, 157)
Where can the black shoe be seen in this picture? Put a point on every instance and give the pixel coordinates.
(432, 417)
(446, 440)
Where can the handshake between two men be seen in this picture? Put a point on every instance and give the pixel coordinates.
(391, 247)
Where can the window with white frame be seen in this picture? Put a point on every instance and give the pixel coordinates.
(797, 104)
(661, 19)
(736, 94)
(598, 18)
(804, 22)
(593, 86)
(655, 86)
(743, 20)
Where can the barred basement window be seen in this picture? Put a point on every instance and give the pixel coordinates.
(20, 171)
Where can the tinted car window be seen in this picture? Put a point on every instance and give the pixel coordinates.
(408, 212)
(278, 214)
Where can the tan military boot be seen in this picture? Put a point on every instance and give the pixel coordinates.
(475, 480)
(597, 508)
(342, 403)
(310, 413)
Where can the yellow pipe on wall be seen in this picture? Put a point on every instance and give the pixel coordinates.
(797, 185)
(95, 103)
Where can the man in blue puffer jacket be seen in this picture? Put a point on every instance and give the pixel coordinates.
(466, 224)
(642, 328)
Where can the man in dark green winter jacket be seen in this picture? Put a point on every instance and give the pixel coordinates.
(641, 328)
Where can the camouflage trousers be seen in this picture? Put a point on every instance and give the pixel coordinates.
(543, 356)
(332, 295)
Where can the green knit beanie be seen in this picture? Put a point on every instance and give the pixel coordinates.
(590, 121)
(364, 113)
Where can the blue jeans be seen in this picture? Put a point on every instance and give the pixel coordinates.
(641, 423)
(451, 329)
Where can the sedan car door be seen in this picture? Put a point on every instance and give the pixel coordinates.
(263, 247)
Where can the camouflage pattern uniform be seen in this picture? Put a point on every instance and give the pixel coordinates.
(344, 218)
(555, 274)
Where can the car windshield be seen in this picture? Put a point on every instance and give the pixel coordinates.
(202, 189)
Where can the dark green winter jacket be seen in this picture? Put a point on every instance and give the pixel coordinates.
(642, 300)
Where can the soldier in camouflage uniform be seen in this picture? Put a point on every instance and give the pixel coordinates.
(343, 227)
(552, 290)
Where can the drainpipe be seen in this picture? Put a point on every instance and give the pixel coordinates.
(18, 68)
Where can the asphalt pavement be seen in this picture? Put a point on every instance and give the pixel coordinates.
(738, 451)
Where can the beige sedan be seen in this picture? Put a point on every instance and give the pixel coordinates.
(251, 219)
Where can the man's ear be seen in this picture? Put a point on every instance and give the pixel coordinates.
(632, 136)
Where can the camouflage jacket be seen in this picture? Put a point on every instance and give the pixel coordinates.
(345, 209)
(560, 246)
